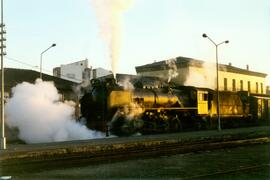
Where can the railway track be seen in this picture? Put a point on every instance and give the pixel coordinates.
(26, 165)
(231, 171)
(115, 149)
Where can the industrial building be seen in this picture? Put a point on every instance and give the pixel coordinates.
(192, 72)
(75, 72)
(79, 71)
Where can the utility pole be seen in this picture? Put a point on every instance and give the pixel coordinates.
(2, 47)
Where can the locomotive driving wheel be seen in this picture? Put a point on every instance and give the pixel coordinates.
(175, 124)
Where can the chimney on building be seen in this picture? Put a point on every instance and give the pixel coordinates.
(247, 67)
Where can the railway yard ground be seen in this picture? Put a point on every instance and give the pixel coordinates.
(18, 158)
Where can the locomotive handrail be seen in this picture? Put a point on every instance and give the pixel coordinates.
(261, 97)
(171, 108)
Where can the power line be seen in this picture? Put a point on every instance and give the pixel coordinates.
(21, 62)
(36, 67)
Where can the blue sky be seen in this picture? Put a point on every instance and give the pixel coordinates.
(153, 30)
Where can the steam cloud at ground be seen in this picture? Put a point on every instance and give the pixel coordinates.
(40, 116)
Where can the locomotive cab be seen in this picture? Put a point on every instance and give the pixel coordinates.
(204, 102)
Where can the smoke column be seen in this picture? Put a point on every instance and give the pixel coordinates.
(109, 17)
(35, 109)
(172, 73)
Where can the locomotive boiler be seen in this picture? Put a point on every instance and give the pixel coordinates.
(111, 108)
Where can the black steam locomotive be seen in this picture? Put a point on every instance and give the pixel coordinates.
(111, 108)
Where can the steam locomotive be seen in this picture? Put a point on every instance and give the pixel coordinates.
(111, 108)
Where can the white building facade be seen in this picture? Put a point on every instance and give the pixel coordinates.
(79, 71)
(99, 72)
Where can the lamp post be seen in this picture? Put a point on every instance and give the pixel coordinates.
(41, 58)
(216, 45)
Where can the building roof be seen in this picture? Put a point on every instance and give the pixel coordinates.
(80, 62)
(183, 62)
(16, 76)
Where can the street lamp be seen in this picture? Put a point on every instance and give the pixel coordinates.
(41, 58)
(216, 45)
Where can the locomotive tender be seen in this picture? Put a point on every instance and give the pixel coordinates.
(110, 108)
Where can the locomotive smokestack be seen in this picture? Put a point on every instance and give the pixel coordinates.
(111, 82)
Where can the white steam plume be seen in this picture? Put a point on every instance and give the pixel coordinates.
(127, 85)
(109, 17)
(35, 109)
(80, 89)
(172, 73)
(206, 77)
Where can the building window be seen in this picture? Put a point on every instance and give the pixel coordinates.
(248, 86)
(241, 85)
(262, 88)
(233, 85)
(225, 84)
(205, 97)
(257, 87)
